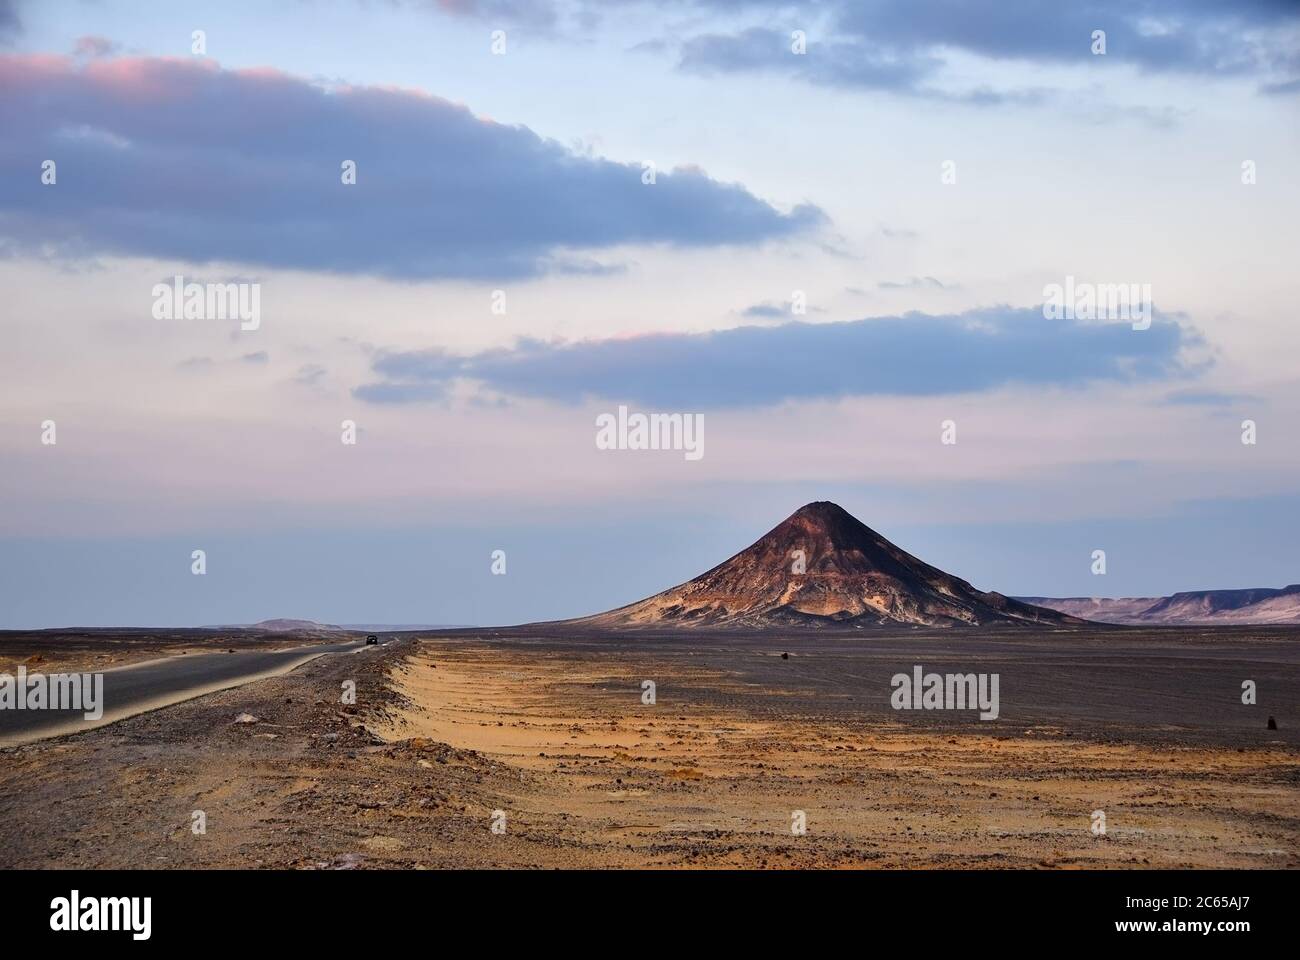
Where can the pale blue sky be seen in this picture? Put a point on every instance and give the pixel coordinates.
(778, 177)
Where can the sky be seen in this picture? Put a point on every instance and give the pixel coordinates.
(830, 230)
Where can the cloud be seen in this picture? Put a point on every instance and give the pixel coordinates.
(309, 374)
(911, 355)
(204, 363)
(841, 63)
(903, 46)
(531, 13)
(1207, 398)
(10, 24)
(180, 159)
(404, 392)
(768, 310)
(913, 283)
(1201, 36)
(1281, 89)
(94, 46)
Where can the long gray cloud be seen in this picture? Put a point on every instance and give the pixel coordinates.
(913, 354)
(180, 159)
(901, 45)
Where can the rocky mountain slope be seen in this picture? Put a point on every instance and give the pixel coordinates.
(822, 566)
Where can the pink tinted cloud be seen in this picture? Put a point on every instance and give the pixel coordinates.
(178, 158)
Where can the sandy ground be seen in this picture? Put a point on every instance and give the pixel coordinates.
(552, 745)
(676, 783)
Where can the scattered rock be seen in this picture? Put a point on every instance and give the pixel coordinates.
(247, 718)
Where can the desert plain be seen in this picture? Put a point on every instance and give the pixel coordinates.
(536, 748)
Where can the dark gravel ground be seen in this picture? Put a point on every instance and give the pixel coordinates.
(1166, 684)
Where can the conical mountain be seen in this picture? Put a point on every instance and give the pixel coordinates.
(823, 566)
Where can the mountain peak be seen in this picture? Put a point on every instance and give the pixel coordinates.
(822, 565)
(824, 519)
(825, 509)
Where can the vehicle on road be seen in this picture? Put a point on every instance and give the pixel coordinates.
(371, 638)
